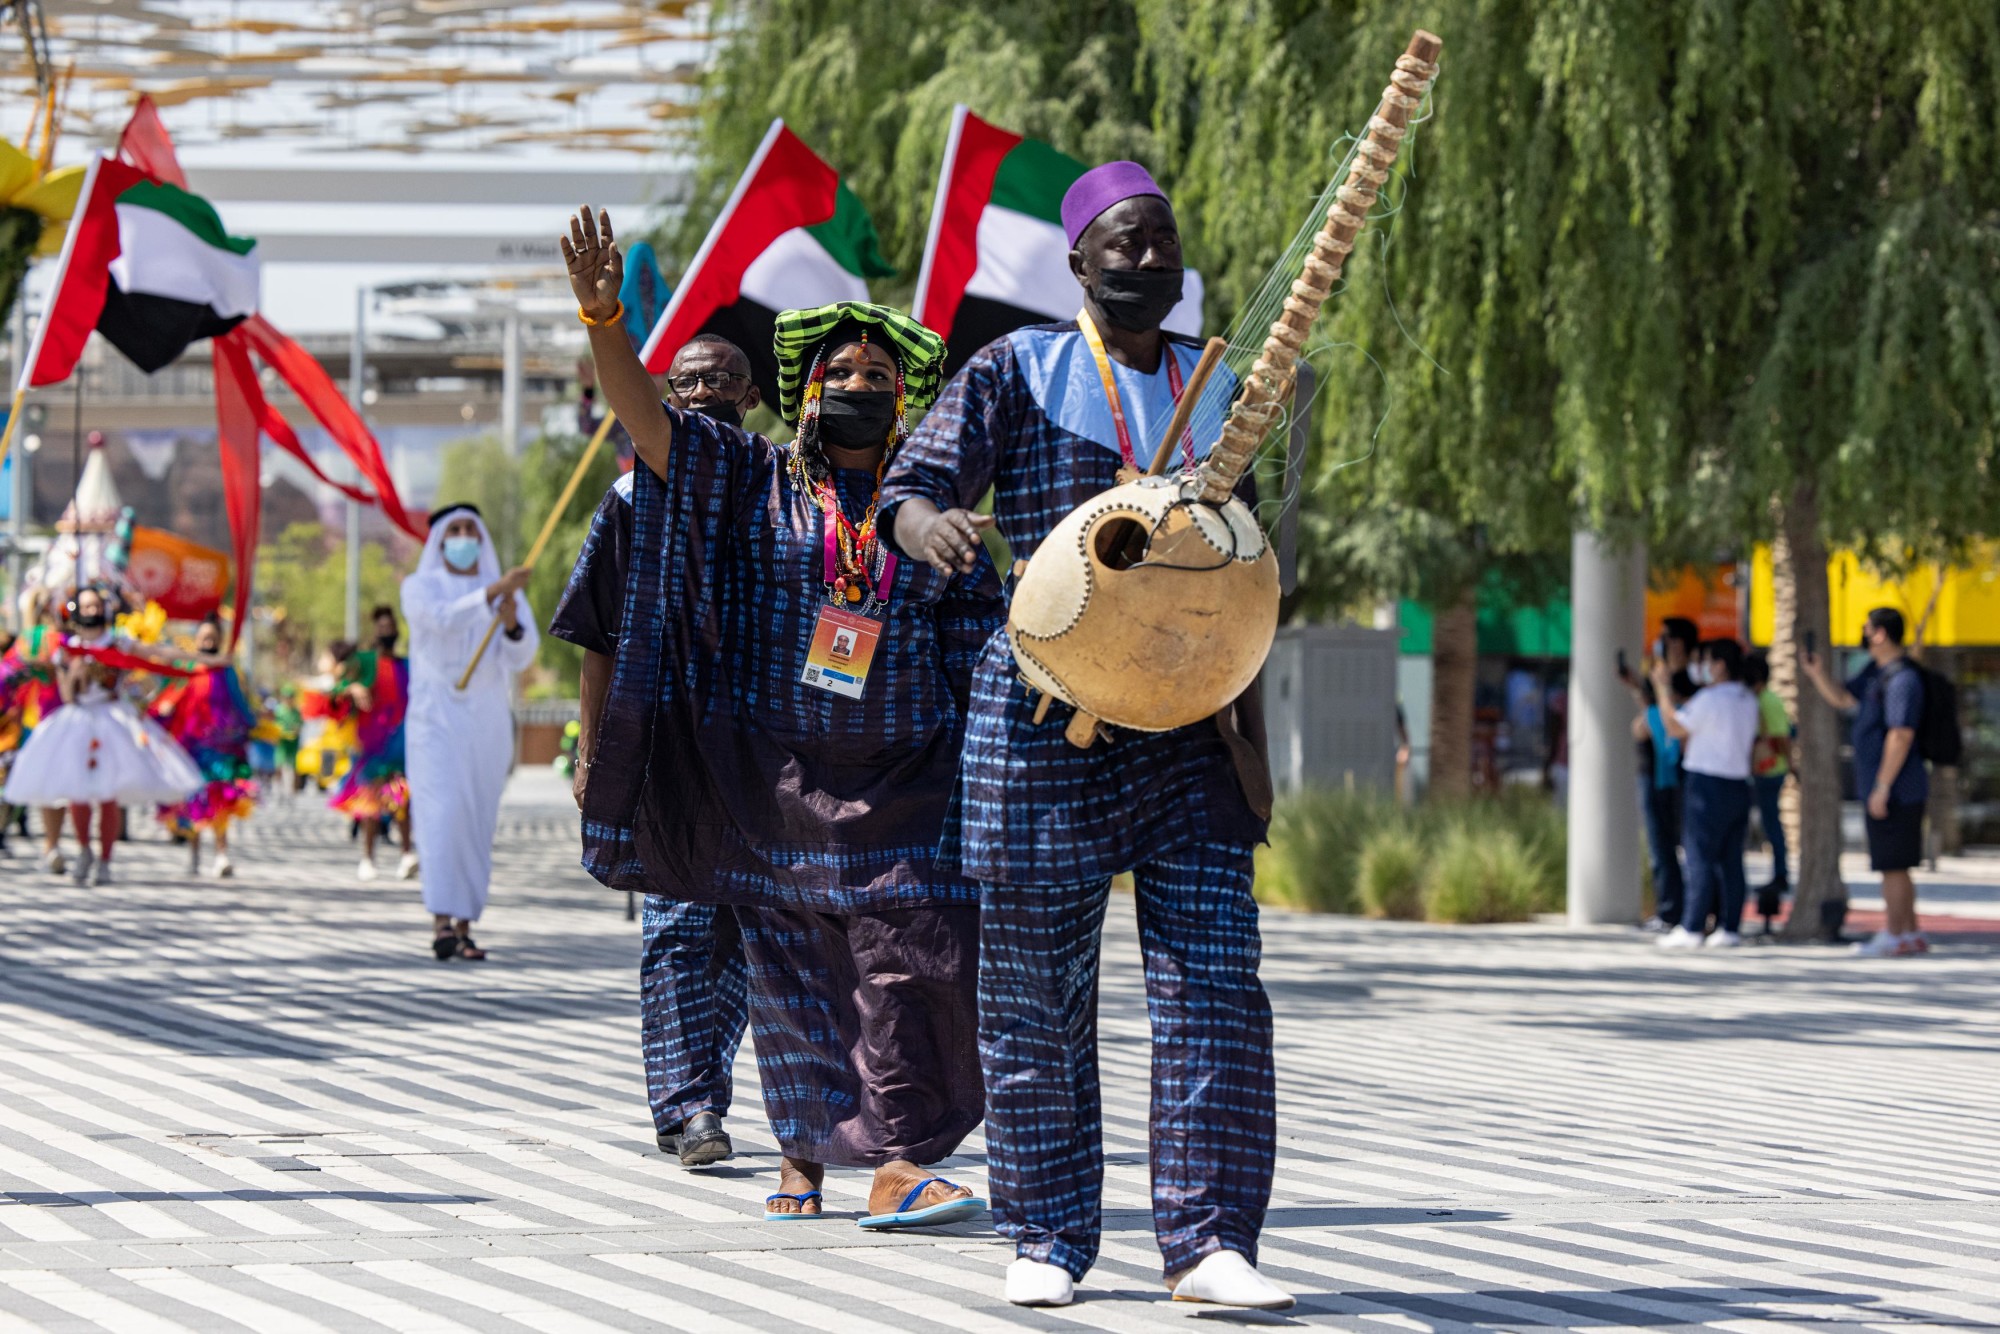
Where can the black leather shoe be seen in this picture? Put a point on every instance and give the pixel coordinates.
(669, 1142)
(704, 1141)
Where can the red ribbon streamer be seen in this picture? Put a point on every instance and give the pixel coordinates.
(236, 437)
(119, 660)
(331, 409)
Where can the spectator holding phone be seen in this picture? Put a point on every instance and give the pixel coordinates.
(1716, 729)
(1887, 699)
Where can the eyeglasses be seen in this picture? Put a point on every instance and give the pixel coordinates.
(716, 380)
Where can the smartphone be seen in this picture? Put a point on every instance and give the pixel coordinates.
(1812, 644)
(1624, 668)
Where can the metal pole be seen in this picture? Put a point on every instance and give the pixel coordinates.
(1608, 612)
(357, 375)
(510, 384)
(21, 460)
(76, 486)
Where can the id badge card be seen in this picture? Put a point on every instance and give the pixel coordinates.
(843, 644)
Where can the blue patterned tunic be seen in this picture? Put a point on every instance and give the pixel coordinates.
(1027, 417)
(717, 770)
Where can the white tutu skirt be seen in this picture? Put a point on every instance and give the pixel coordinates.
(98, 751)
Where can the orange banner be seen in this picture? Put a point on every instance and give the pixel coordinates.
(1710, 598)
(184, 577)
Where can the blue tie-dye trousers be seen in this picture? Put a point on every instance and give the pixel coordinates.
(1213, 1135)
(693, 1007)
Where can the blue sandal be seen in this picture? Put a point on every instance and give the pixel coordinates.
(796, 1214)
(951, 1211)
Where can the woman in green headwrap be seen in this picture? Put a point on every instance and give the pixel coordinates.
(782, 736)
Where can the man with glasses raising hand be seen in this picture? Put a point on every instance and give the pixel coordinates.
(692, 986)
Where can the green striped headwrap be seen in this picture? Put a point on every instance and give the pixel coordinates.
(800, 332)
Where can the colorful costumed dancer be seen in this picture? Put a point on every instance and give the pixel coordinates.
(693, 990)
(371, 690)
(460, 743)
(28, 682)
(210, 716)
(781, 735)
(98, 753)
(1047, 416)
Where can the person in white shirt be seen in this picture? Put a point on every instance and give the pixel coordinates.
(1717, 730)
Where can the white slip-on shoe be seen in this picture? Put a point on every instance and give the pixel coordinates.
(81, 871)
(406, 869)
(1680, 938)
(53, 863)
(1032, 1283)
(365, 872)
(1722, 940)
(224, 868)
(101, 873)
(1227, 1278)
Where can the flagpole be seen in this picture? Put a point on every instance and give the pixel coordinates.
(548, 530)
(921, 306)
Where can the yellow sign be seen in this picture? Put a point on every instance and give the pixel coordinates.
(1967, 611)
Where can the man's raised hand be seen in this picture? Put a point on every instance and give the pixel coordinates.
(596, 268)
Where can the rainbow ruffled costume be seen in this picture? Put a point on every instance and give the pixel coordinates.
(211, 717)
(28, 691)
(374, 786)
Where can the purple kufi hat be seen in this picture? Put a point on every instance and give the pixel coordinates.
(1101, 187)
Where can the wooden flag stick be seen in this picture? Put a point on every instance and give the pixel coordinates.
(548, 531)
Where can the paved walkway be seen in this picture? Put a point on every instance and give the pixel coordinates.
(260, 1105)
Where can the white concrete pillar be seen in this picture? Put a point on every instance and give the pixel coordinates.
(1606, 835)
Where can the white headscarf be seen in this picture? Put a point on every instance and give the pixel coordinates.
(432, 561)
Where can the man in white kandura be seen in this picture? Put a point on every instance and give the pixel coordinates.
(461, 742)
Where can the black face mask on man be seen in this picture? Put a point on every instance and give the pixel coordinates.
(856, 418)
(90, 620)
(1137, 300)
(721, 410)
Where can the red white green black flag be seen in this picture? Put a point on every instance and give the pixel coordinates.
(997, 258)
(148, 265)
(791, 236)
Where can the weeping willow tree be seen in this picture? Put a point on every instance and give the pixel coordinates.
(1702, 274)
(1696, 274)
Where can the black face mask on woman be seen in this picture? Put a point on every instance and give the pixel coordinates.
(91, 621)
(1137, 300)
(856, 418)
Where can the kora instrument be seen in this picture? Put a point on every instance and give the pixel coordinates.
(1154, 604)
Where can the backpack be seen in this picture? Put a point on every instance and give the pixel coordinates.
(1939, 738)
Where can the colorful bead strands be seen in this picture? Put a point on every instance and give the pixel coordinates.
(858, 567)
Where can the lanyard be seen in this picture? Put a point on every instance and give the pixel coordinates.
(1090, 336)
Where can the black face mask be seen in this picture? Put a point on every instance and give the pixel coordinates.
(721, 410)
(95, 621)
(386, 642)
(856, 418)
(1138, 300)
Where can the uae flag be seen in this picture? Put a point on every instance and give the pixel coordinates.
(149, 266)
(792, 236)
(997, 258)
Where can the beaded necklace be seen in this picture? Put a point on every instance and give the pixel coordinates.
(857, 567)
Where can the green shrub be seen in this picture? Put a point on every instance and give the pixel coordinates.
(1359, 851)
(1315, 850)
(1482, 872)
(1391, 877)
